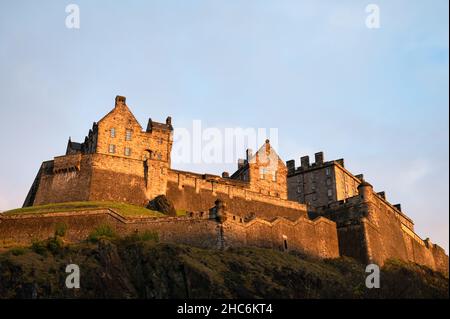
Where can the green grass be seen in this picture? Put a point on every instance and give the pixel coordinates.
(181, 212)
(123, 209)
(102, 232)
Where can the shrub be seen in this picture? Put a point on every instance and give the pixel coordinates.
(102, 231)
(54, 244)
(60, 229)
(148, 235)
(39, 247)
(17, 251)
(144, 236)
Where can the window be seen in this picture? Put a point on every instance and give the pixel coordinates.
(159, 156)
(160, 140)
(314, 197)
(128, 135)
(112, 148)
(262, 172)
(127, 151)
(313, 186)
(328, 181)
(112, 132)
(299, 189)
(327, 171)
(330, 193)
(274, 176)
(285, 242)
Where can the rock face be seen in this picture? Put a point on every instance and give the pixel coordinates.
(130, 268)
(162, 204)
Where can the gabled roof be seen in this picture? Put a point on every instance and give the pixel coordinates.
(120, 106)
(265, 150)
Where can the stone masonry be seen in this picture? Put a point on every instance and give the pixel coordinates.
(320, 208)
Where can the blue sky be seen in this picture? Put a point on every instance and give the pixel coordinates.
(376, 97)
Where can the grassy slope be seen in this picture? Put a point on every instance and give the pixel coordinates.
(121, 208)
(122, 268)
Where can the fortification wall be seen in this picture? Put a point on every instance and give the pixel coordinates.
(24, 229)
(372, 231)
(66, 181)
(316, 237)
(195, 193)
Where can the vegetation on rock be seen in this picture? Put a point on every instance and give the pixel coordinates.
(139, 267)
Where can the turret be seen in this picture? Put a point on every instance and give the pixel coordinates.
(365, 190)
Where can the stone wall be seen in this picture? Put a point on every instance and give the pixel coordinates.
(372, 230)
(320, 183)
(64, 185)
(316, 237)
(195, 192)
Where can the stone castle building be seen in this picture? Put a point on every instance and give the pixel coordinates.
(319, 208)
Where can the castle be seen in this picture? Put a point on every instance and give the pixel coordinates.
(319, 208)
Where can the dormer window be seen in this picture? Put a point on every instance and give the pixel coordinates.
(128, 135)
(112, 132)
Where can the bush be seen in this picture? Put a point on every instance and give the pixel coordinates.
(54, 244)
(18, 251)
(60, 229)
(144, 236)
(39, 247)
(102, 231)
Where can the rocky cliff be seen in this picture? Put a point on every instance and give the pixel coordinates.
(144, 268)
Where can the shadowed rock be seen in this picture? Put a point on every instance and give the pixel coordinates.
(162, 204)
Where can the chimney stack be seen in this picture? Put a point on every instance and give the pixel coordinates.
(249, 154)
(149, 125)
(267, 146)
(225, 175)
(241, 163)
(120, 100)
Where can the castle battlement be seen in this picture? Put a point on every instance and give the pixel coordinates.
(320, 208)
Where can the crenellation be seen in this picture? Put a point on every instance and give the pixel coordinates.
(319, 208)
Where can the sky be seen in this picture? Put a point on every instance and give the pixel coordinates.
(377, 97)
